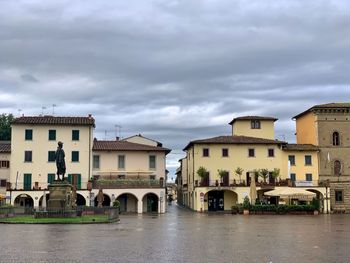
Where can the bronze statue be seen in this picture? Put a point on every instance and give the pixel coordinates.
(60, 163)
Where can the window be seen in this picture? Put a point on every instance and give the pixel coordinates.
(292, 177)
(27, 181)
(271, 152)
(96, 162)
(152, 162)
(308, 160)
(75, 135)
(75, 156)
(4, 164)
(2, 183)
(225, 152)
(50, 178)
(338, 195)
(291, 159)
(121, 161)
(308, 177)
(28, 135)
(75, 180)
(251, 152)
(27, 156)
(51, 156)
(52, 135)
(255, 124)
(336, 139)
(206, 152)
(337, 168)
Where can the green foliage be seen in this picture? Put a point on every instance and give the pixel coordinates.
(256, 173)
(239, 171)
(264, 173)
(263, 208)
(202, 172)
(116, 203)
(316, 203)
(246, 203)
(282, 209)
(276, 173)
(5, 126)
(222, 173)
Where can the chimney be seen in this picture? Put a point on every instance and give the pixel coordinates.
(90, 115)
(117, 138)
(95, 139)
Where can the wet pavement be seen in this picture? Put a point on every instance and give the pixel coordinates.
(183, 236)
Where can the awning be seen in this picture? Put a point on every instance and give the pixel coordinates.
(291, 193)
(2, 197)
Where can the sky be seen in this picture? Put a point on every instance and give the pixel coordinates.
(173, 70)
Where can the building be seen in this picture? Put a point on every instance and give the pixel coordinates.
(5, 153)
(133, 173)
(33, 145)
(230, 162)
(328, 127)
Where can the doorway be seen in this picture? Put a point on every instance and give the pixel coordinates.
(216, 201)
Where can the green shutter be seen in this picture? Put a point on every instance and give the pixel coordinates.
(50, 178)
(27, 181)
(79, 181)
(70, 178)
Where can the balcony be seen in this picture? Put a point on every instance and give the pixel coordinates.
(127, 183)
(241, 183)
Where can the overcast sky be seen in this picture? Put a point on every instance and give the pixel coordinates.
(173, 70)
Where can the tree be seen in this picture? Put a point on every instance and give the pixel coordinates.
(275, 174)
(239, 172)
(5, 126)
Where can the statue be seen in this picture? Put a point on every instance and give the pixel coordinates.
(60, 163)
(100, 198)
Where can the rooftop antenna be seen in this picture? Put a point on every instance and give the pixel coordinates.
(53, 108)
(105, 135)
(42, 110)
(19, 112)
(118, 131)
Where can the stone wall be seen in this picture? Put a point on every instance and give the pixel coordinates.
(340, 207)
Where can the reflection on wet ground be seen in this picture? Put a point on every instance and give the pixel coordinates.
(183, 236)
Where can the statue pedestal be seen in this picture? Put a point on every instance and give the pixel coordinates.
(60, 202)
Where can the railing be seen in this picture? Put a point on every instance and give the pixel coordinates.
(127, 183)
(240, 183)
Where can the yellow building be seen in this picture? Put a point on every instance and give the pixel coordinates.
(133, 173)
(222, 185)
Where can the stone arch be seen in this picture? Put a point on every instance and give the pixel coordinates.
(41, 200)
(320, 196)
(106, 200)
(24, 200)
(81, 201)
(128, 202)
(219, 200)
(150, 202)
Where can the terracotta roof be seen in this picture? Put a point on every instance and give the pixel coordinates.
(300, 147)
(53, 120)
(234, 140)
(126, 146)
(250, 118)
(325, 106)
(5, 147)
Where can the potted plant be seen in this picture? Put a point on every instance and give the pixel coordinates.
(246, 205)
(256, 173)
(222, 173)
(275, 174)
(202, 173)
(264, 173)
(239, 172)
(316, 205)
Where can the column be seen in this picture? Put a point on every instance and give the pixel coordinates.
(139, 207)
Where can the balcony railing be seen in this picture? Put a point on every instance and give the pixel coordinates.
(127, 183)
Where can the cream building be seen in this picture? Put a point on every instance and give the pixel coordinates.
(5, 153)
(133, 173)
(33, 145)
(218, 191)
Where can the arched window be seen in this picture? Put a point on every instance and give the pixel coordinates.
(337, 168)
(336, 139)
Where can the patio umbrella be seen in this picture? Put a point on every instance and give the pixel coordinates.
(292, 193)
(253, 193)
